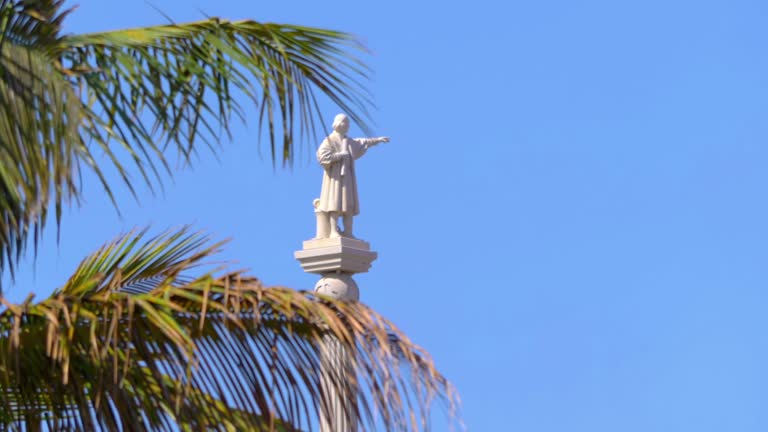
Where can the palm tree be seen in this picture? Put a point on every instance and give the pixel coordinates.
(141, 336)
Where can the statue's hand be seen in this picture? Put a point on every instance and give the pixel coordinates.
(382, 139)
(340, 155)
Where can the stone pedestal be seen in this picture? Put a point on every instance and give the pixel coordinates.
(340, 254)
(336, 260)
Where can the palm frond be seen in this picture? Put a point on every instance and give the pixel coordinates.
(32, 23)
(177, 84)
(208, 352)
(40, 118)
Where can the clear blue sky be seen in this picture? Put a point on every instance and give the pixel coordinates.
(571, 217)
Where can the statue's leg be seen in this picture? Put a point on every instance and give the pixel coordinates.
(348, 226)
(332, 222)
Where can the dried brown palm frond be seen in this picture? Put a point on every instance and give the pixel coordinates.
(146, 95)
(209, 352)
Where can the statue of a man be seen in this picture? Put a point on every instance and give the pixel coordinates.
(337, 154)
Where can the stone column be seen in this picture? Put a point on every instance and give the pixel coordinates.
(336, 260)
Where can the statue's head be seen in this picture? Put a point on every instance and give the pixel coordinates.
(341, 123)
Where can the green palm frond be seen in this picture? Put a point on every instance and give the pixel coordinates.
(32, 23)
(40, 118)
(207, 352)
(177, 84)
(149, 94)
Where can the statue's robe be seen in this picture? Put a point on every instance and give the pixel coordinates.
(338, 193)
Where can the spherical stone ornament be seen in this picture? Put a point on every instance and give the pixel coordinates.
(339, 286)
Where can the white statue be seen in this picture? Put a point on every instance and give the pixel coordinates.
(338, 195)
